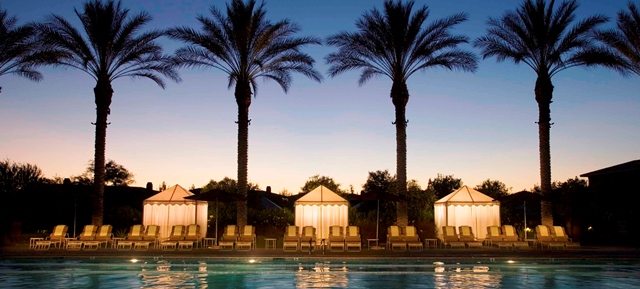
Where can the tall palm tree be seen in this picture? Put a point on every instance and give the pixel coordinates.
(540, 36)
(246, 46)
(110, 48)
(626, 39)
(397, 43)
(19, 49)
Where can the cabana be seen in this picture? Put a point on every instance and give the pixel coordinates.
(467, 207)
(322, 208)
(169, 208)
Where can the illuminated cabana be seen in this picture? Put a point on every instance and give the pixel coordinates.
(322, 208)
(169, 208)
(469, 207)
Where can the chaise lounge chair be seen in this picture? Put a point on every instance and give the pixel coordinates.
(291, 239)
(336, 238)
(152, 235)
(450, 237)
(229, 238)
(308, 238)
(545, 238)
(136, 233)
(496, 238)
(395, 239)
(56, 238)
(247, 238)
(560, 235)
(469, 239)
(191, 237)
(412, 239)
(510, 235)
(105, 236)
(86, 238)
(352, 239)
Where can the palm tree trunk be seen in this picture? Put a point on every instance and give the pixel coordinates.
(103, 94)
(544, 94)
(243, 99)
(400, 97)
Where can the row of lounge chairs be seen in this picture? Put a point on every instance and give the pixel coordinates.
(339, 239)
(505, 237)
(403, 238)
(93, 237)
(242, 240)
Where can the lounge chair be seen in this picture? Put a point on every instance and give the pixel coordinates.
(336, 238)
(136, 233)
(308, 238)
(246, 239)
(152, 235)
(170, 243)
(352, 239)
(496, 238)
(560, 235)
(57, 236)
(291, 240)
(395, 240)
(104, 236)
(450, 237)
(192, 235)
(412, 238)
(177, 233)
(510, 235)
(546, 239)
(469, 239)
(229, 238)
(88, 233)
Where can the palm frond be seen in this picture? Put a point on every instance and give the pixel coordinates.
(112, 45)
(397, 42)
(245, 45)
(544, 37)
(20, 51)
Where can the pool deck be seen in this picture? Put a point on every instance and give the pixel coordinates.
(23, 251)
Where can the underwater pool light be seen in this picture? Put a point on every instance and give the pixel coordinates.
(511, 261)
(252, 261)
(134, 260)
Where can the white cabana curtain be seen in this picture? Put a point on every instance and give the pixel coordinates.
(322, 217)
(478, 216)
(166, 215)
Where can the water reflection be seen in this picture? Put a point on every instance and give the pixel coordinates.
(465, 277)
(322, 275)
(164, 277)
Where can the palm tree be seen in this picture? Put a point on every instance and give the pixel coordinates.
(110, 49)
(246, 46)
(396, 43)
(540, 36)
(19, 49)
(626, 39)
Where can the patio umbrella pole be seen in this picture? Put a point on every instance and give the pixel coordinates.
(377, 220)
(216, 244)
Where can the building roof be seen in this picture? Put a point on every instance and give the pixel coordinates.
(625, 167)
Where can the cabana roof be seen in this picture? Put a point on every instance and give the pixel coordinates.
(466, 195)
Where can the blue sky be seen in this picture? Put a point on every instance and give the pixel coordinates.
(474, 126)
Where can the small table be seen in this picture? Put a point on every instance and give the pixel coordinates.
(114, 241)
(270, 243)
(370, 241)
(208, 242)
(532, 243)
(427, 243)
(33, 241)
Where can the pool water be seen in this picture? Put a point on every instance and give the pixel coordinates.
(292, 273)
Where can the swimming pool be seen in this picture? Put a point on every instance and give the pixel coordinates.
(160, 272)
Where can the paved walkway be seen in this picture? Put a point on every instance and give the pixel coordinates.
(23, 251)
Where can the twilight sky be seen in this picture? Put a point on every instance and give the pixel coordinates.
(473, 126)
